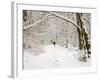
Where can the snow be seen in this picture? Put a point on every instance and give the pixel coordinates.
(54, 57)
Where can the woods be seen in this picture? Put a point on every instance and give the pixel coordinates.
(66, 29)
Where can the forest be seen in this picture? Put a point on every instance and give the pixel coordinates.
(56, 39)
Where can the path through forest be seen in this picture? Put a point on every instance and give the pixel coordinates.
(54, 57)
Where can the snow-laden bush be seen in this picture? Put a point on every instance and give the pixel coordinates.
(83, 56)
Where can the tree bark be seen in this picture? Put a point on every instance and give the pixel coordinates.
(83, 36)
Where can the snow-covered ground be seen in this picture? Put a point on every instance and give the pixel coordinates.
(54, 57)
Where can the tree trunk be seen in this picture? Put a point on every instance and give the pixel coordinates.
(80, 32)
(83, 36)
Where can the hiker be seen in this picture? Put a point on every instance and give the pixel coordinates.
(54, 43)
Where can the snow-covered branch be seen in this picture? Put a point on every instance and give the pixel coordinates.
(85, 20)
(55, 14)
(36, 22)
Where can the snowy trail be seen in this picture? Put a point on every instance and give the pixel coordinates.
(54, 57)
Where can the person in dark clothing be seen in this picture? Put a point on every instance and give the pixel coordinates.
(54, 43)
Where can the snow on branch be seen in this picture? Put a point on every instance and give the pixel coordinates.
(36, 22)
(85, 20)
(55, 14)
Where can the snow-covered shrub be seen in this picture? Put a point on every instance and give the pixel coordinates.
(83, 56)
